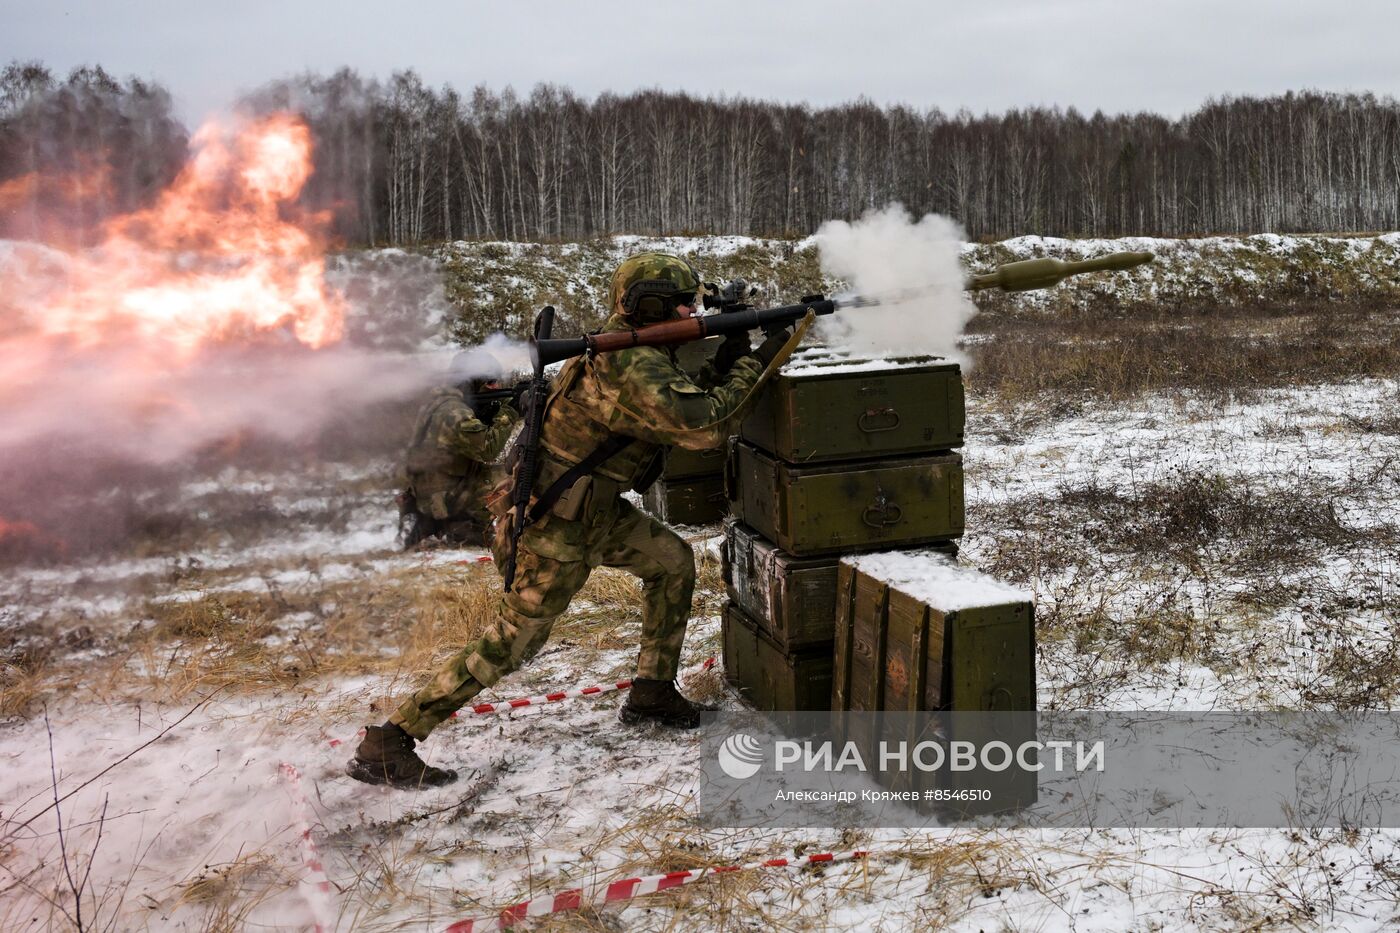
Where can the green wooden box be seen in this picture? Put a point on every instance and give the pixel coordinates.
(699, 501)
(832, 508)
(768, 677)
(916, 631)
(793, 599)
(692, 464)
(821, 409)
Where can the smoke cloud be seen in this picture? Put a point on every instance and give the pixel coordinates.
(499, 357)
(913, 266)
(210, 325)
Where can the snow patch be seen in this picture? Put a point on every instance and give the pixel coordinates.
(936, 580)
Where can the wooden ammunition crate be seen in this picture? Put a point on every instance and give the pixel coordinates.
(692, 464)
(915, 631)
(793, 599)
(699, 501)
(832, 508)
(822, 409)
(768, 677)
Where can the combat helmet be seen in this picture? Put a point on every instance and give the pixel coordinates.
(648, 287)
(475, 367)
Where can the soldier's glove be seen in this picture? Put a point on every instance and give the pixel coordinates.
(519, 394)
(768, 350)
(730, 349)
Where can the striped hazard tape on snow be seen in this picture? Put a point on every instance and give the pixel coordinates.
(487, 709)
(315, 887)
(629, 888)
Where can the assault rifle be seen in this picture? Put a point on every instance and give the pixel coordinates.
(1012, 277)
(527, 463)
(503, 395)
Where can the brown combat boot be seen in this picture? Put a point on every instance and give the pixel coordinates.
(386, 756)
(659, 701)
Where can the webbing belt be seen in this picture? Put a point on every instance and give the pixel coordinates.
(604, 452)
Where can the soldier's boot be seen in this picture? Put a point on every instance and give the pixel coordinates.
(386, 756)
(659, 701)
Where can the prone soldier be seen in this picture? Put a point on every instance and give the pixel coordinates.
(606, 425)
(457, 437)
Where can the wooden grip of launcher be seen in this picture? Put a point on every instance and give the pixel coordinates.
(668, 334)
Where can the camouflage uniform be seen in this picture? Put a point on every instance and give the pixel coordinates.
(640, 393)
(450, 462)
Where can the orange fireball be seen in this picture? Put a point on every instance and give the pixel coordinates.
(223, 253)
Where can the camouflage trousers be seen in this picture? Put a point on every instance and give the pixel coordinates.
(555, 559)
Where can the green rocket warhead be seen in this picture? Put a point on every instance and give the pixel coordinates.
(1042, 273)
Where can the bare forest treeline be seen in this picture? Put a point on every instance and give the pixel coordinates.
(76, 151)
(403, 163)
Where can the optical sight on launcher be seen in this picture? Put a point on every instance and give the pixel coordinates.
(736, 316)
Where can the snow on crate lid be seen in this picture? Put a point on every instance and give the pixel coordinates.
(823, 361)
(936, 579)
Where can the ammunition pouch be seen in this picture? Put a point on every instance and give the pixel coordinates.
(569, 491)
(498, 502)
(569, 505)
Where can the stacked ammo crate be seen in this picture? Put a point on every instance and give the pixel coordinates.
(838, 457)
(690, 490)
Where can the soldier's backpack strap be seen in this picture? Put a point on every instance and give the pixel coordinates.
(585, 467)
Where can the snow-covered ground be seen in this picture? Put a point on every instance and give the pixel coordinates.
(161, 733)
(200, 821)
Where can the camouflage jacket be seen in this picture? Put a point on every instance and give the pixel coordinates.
(451, 443)
(641, 393)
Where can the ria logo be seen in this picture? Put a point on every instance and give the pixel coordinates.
(741, 756)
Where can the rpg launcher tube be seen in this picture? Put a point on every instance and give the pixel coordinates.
(675, 333)
(1042, 273)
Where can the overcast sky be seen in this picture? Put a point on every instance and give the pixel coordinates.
(1166, 55)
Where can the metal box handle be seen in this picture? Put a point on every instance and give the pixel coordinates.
(870, 420)
(882, 513)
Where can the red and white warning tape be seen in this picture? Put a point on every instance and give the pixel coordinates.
(628, 888)
(487, 709)
(315, 887)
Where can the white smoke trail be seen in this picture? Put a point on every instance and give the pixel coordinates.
(887, 252)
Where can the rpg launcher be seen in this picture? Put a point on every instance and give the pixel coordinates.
(737, 316)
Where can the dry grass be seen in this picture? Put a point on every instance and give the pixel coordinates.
(1053, 359)
(402, 625)
(224, 896)
(1196, 568)
(1248, 525)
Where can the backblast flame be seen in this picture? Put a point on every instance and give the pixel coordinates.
(221, 254)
